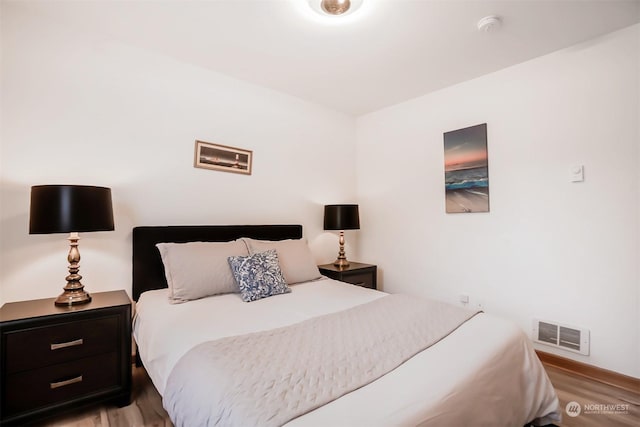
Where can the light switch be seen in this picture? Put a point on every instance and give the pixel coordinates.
(577, 173)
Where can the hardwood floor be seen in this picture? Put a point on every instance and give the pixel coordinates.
(601, 405)
(146, 407)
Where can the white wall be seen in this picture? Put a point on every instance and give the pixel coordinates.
(78, 109)
(549, 248)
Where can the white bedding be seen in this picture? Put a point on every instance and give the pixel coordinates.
(485, 373)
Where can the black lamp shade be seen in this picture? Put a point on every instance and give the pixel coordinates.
(70, 208)
(341, 217)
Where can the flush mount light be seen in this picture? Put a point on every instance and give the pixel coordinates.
(335, 7)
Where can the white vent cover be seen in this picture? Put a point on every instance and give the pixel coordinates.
(561, 336)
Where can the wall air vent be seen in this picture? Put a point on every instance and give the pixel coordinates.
(561, 336)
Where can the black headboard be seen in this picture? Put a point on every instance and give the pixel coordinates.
(148, 271)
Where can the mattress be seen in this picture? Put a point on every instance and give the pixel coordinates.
(484, 373)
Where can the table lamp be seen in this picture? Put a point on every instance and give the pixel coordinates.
(70, 209)
(341, 217)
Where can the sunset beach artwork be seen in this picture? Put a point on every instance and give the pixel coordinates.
(466, 170)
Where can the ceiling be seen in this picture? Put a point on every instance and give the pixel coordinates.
(388, 52)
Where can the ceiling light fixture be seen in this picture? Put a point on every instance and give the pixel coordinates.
(335, 8)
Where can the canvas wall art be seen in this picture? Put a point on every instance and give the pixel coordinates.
(466, 170)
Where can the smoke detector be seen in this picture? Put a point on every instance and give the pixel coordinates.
(489, 23)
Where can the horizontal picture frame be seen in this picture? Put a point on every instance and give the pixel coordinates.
(222, 158)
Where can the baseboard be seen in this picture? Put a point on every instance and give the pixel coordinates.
(592, 372)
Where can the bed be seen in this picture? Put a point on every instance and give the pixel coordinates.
(481, 372)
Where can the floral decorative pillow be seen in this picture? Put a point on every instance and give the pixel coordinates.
(258, 276)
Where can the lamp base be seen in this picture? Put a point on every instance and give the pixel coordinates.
(341, 263)
(74, 293)
(73, 297)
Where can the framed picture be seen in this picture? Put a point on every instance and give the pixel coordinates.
(222, 158)
(466, 170)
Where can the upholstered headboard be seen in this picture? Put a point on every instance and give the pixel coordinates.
(148, 271)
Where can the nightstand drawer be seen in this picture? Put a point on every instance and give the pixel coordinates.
(356, 273)
(360, 279)
(57, 383)
(62, 342)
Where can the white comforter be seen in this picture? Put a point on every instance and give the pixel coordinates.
(485, 373)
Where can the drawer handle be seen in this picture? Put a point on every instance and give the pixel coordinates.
(58, 384)
(66, 344)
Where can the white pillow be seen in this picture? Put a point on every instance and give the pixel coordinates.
(199, 269)
(296, 260)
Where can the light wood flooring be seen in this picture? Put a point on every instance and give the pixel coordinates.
(593, 397)
(146, 408)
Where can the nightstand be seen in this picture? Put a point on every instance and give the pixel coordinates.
(356, 273)
(58, 358)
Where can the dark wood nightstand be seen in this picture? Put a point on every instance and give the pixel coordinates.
(356, 273)
(56, 358)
